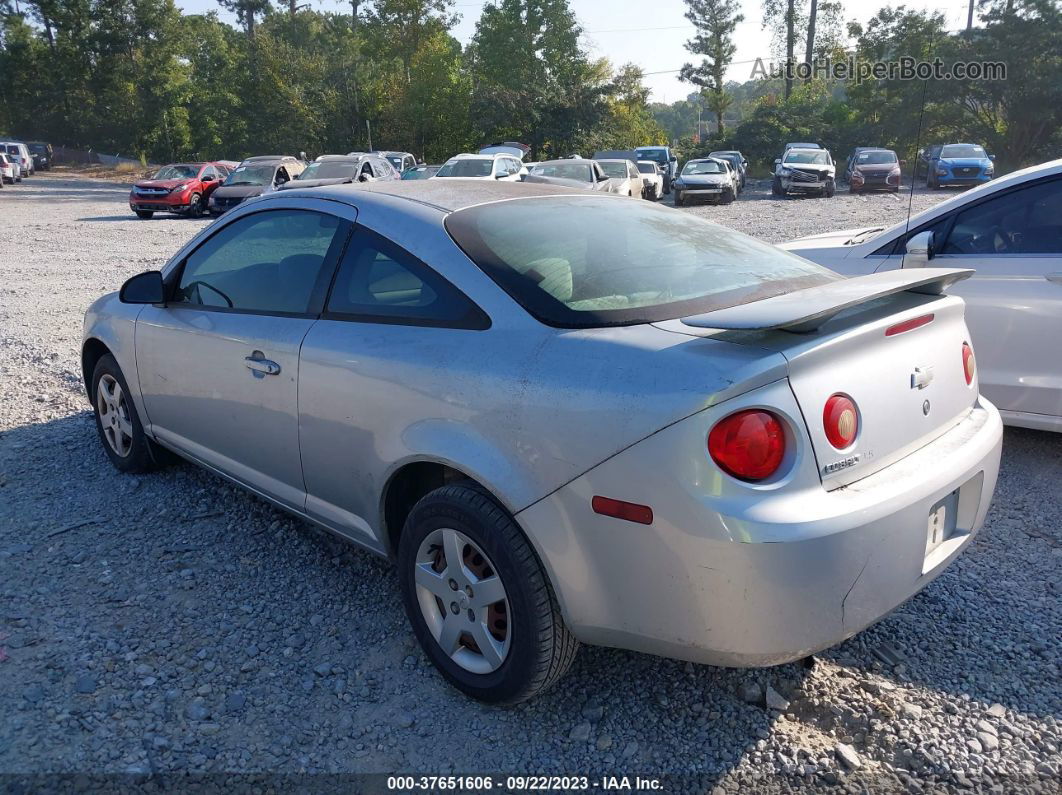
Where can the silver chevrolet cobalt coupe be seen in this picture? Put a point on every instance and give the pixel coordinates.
(566, 416)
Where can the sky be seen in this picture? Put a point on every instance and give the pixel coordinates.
(652, 33)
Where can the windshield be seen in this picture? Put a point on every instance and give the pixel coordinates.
(40, 149)
(176, 172)
(576, 261)
(819, 158)
(325, 169)
(647, 168)
(618, 170)
(963, 150)
(420, 172)
(577, 171)
(703, 167)
(395, 161)
(875, 158)
(654, 154)
(251, 175)
(467, 167)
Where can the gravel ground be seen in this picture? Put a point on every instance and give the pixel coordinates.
(172, 623)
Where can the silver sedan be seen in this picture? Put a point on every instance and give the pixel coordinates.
(561, 428)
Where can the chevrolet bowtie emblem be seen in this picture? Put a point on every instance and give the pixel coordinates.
(921, 377)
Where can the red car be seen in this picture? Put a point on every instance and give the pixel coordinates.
(181, 188)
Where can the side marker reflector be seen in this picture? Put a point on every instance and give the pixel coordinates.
(618, 509)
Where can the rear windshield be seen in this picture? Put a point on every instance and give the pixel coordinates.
(472, 167)
(581, 261)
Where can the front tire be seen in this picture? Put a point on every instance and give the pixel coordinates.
(776, 187)
(195, 206)
(727, 197)
(830, 189)
(667, 185)
(678, 198)
(478, 598)
(117, 422)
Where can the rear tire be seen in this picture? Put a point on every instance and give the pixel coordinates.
(145, 214)
(829, 190)
(535, 648)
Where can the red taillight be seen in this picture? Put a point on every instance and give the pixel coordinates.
(749, 445)
(969, 364)
(631, 511)
(908, 325)
(841, 421)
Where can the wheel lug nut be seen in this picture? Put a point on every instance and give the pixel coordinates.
(454, 608)
(468, 591)
(453, 584)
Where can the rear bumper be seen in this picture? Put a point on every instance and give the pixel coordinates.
(761, 581)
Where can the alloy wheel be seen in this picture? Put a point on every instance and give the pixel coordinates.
(463, 600)
(114, 415)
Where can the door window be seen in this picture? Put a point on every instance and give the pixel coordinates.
(1023, 221)
(274, 262)
(378, 281)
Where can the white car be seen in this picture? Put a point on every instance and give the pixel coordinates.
(652, 179)
(484, 166)
(1010, 231)
(804, 171)
(20, 153)
(7, 170)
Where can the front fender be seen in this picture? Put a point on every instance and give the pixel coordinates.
(112, 324)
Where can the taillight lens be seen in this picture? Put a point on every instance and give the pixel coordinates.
(969, 364)
(840, 421)
(749, 444)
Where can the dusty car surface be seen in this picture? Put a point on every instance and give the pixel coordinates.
(1009, 231)
(571, 172)
(626, 179)
(567, 416)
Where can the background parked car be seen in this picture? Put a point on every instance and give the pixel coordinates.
(652, 179)
(927, 159)
(626, 179)
(804, 171)
(7, 169)
(705, 178)
(663, 157)
(401, 161)
(42, 155)
(253, 177)
(422, 171)
(871, 168)
(571, 172)
(340, 169)
(962, 165)
(483, 166)
(20, 153)
(1010, 232)
(737, 160)
(180, 188)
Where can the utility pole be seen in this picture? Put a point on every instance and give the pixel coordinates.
(969, 17)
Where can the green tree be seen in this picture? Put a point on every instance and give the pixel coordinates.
(714, 22)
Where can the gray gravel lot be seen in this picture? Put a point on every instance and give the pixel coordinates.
(173, 623)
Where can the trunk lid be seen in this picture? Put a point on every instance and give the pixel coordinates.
(909, 386)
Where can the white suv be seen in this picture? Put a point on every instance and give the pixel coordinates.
(804, 171)
(20, 153)
(490, 166)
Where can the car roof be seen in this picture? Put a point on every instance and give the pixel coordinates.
(447, 195)
(268, 158)
(586, 160)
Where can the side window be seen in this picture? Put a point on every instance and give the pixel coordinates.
(1023, 221)
(382, 169)
(277, 261)
(366, 170)
(938, 227)
(209, 173)
(379, 282)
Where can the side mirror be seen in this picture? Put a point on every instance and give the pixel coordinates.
(208, 178)
(919, 250)
(501, 175)
(602, 177)
(674, 159)
(778, 161)
(991, 157)
(144, 288)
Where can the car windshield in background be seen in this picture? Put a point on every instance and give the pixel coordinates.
(819, 158)
(702, 167)
(40, 149)
(656, 155)
(396, 162)
(251, 175)
(420, 172)
(963, 150)
(577, 171)
(176, 172)
(584, 261)
(469, 167)
(326, 169)
(647, 168)
(617, 170)
(875, 158)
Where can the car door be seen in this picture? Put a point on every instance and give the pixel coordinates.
(210, 179)
(218, 363)
(392, 337)
(1014, 242)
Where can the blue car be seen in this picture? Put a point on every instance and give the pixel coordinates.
(959, 164)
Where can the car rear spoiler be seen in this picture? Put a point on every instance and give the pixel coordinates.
(805, 310)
